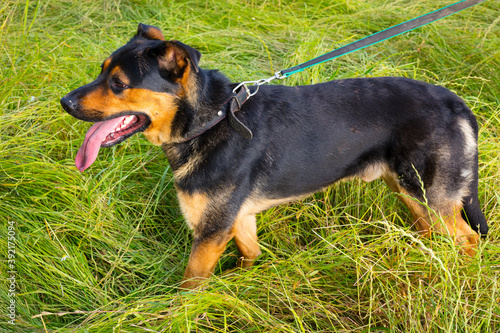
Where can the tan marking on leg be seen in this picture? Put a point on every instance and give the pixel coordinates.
(193, 206)
(202, 261)
(245, 227)
(421, 216)
(449, 222)
(245, 236)
(463, 235)
(391, 179)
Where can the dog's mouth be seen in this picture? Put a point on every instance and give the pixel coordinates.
(127, 126)
(107, 134)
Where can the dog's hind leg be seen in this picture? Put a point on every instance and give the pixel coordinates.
(447, 221)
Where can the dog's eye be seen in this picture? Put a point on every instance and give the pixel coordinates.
(120, 85)
(117, 84)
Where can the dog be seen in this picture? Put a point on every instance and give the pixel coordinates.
(419, 138)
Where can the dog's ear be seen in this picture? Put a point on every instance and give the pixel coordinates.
(149, 32)
(174, 57)
(193, 55)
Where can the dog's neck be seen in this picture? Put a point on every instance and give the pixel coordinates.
(213, 90)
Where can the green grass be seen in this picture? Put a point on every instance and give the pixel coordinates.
(343, 260)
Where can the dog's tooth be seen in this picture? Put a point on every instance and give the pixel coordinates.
(127, 120)
(124, 123)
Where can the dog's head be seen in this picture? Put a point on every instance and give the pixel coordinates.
(138, 90)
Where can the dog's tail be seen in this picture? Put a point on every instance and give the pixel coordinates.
(472, 210)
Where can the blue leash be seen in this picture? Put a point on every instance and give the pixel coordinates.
(242, 92)
(383, 35)
(369, 40)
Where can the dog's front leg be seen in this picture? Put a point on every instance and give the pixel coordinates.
(204, 256)
(206, 214)
(245, 235)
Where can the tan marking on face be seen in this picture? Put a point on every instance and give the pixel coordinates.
(193, 207)
(176, 60)
(117, 72)
(105, 64)
(162, 117)
(189, 86)
(160, 107)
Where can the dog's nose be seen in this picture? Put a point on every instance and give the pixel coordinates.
(68, 104)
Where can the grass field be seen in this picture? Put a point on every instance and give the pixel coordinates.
(104, 250)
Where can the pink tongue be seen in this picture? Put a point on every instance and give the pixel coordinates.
(90, 148)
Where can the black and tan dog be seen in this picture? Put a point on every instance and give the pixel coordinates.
(419, 138)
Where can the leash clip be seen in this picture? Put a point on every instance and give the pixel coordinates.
(257, 84)
(276, 75)
(241, 93)
(245, 87)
